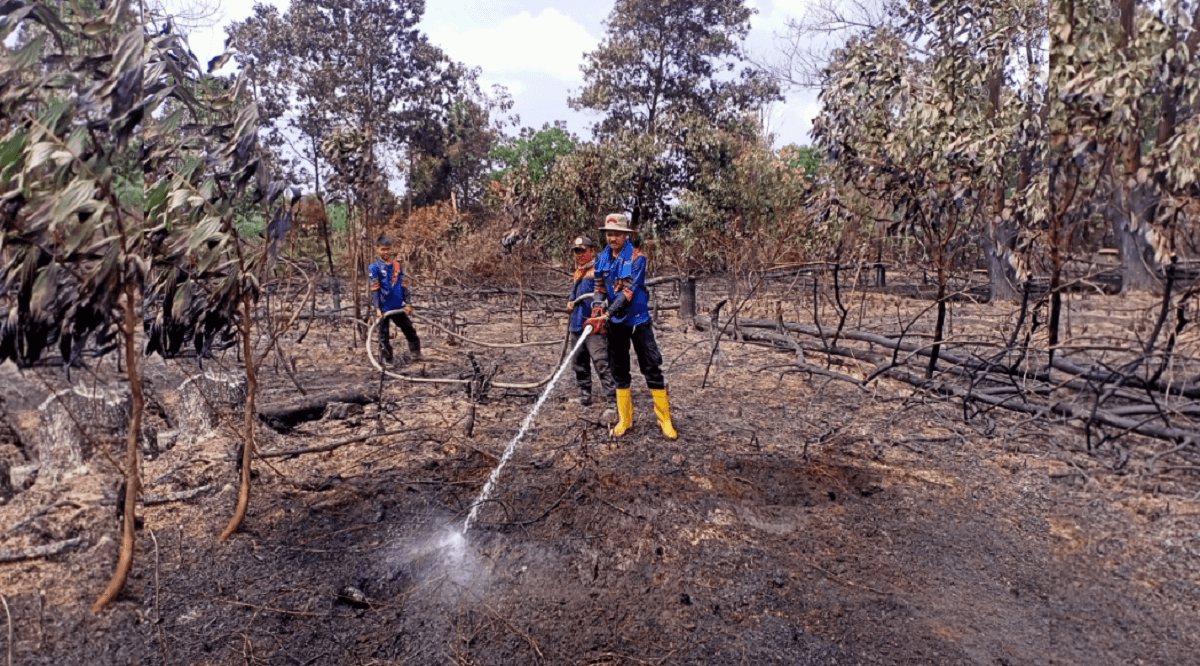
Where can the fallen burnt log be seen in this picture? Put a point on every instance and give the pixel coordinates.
(1116, 378)
(330, 446)
(285, 416)
(894, 344)
(1020, 397)
(1100, 376)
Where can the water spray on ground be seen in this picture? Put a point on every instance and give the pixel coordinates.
(486, 493)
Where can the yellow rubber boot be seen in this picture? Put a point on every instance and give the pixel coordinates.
(662, 409)
(624, 412)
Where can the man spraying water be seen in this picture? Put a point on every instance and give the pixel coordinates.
(620, 309)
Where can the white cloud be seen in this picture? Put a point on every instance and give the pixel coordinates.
(550, 43)
(793, 121)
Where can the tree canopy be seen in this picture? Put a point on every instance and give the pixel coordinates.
(533, 150)
(359, 64)
(663, 69)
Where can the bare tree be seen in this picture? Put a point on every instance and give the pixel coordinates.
(185, 16)
(808, 45)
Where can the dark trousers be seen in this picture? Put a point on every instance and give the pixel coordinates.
(406, 327)
(593, 352)
(649, 357)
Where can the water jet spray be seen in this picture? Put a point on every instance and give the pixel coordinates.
(488, 487)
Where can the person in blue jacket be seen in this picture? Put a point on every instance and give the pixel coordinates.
(595, 349)
(388, 292)
(621, 310)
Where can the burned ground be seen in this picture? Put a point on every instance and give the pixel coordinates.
(797, 520)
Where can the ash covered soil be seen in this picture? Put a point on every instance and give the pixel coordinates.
(797, 520)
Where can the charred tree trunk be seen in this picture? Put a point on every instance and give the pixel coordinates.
(248, 436)
(1001, 232)
(1132, 211)
(1001, 276)
(939, 329)
(133, 484)
(687, 298)
(521, 295)
(354, 262)
(325, 228)
(1137, 258)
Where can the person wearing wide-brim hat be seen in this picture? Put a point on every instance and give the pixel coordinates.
(620, 309)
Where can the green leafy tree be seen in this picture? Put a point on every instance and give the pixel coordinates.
(289, 91)
(535, 151)
(663, 68)
(460, 162)
(584, 185)
(746, 208)
(807, 158)
(1126, 124)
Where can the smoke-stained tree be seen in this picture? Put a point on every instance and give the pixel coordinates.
(664, 67)
(456, 156)
(908, 133)
(119, 183)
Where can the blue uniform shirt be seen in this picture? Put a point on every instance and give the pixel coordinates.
(625, 273)
(585, 283)
(388, 291)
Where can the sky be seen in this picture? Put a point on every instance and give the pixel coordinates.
(535, 48)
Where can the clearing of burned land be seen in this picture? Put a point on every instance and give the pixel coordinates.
(803, 516)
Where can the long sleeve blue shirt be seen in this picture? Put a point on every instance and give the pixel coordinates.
(624, 273)
(585, 284)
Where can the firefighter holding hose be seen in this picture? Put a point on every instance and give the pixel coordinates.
(620, 311)
(388, 292)
(595, 349)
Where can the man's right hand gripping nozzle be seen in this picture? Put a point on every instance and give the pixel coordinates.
(598, 320)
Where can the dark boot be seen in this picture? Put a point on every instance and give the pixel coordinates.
(584, 398)
(414, 348)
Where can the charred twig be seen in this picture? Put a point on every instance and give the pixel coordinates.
(287, 369)
(716, 340)
(179, 496)
(283, 611)
(276, 332)
(494, 345)
(48, 550)
(1159, 456)
(8, 616)
(548, 510)
(39, 513)
(842, 311)
(527, 637)
(834, 577)
(157, 616)
(817, 311)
